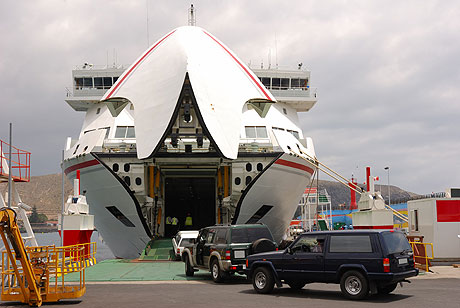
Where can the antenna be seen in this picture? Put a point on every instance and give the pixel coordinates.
(191, 16)
(148, 36)
(276, 52)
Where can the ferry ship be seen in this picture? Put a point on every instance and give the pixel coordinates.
(188, 129)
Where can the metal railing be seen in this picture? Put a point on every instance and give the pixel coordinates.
(19, 166)
(48, 263)
(422, 256)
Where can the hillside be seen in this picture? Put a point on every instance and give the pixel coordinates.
(44, 192)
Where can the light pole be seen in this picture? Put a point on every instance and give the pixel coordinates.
(389, 194)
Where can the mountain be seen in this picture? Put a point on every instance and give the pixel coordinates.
(44, 192)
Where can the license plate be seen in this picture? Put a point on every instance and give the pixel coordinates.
(244, 266)
(239, 254)
(402, 261)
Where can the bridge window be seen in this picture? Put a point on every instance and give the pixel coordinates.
(256, 132)
(87, 82)
(266, 82)
(295, 83)
(276, 83)
(125, 132)
(98, 83)
(284, 83)
(107, 82)
(294, 133)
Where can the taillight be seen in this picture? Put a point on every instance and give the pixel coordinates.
(178, 250)
(247, 263)
(386, 265)
(227, 255)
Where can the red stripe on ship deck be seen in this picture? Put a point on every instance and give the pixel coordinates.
(294, 165)
(241, 65)
(85, 164)
(137, 63)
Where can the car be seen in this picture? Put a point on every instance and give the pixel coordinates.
(361, 261)
(182, 238)
(222, 249)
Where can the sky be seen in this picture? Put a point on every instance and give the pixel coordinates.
(387, 73)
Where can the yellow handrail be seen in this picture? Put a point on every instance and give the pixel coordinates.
(422, 254)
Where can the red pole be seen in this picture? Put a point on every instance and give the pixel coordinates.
(368, 176)
(78, 178)
(352, 185)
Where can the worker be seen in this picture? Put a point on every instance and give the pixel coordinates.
(175, 224)
(188, 221)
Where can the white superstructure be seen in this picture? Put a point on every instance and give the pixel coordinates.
(188, 128)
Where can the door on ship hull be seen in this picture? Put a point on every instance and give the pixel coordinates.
(196, 196)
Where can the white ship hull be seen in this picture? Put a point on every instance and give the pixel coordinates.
(206, 137)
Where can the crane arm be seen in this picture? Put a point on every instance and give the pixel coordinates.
(10, 233)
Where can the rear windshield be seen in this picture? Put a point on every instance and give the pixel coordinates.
(185, 241)
(249, 235)
(396, 242)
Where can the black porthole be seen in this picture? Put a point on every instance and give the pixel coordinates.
(260, 167)
(115, 167)
(127, 180)
(85, 148)
(138, 181)
(237, 180)
(126, 167)
(248, 180)
(76, 149)
(248, 167)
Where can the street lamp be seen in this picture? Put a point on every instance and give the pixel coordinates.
(389, 194)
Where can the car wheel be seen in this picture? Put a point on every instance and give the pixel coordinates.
(188, 267)
(387, 289)
(354, 285)
(262, 280)
(296, 285)
(216, 272)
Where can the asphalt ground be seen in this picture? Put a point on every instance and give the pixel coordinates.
(237, 292)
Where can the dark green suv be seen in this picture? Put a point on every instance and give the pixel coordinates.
(222, 249)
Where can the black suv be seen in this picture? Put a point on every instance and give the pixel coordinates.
(222, 249)
(361, 261)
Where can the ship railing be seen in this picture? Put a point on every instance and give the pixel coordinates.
(119, 145)
(255, 145)
(19, 166)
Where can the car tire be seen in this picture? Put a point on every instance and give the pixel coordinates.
(188, 267)
(387, 289)
(296, 285)
(216, 272)
(354, 285)
(263, 280)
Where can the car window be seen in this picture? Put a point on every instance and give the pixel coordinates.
(185, 241)
(202, 236)
(350, 243)
(221, 236)
(396, 242)
(249, 235)
(210, 236)
(309, 243)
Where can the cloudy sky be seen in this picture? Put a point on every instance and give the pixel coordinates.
(387, 73)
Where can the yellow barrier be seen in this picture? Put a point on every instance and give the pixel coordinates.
(421, 258)
(48, 263)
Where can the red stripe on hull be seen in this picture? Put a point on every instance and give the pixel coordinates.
(294, 165)
(85, 164)
(373, 227)
(137, 63)
(448, 210)
(261, 88)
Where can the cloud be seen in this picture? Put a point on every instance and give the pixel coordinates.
(387, 75)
